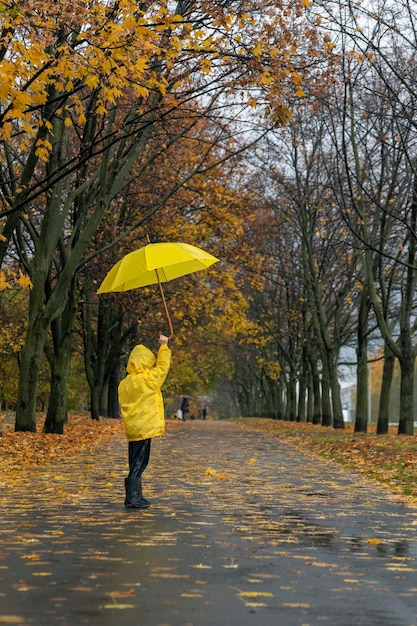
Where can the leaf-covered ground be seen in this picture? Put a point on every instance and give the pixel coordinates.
(21, 452)
(390, 459)
(243, 528)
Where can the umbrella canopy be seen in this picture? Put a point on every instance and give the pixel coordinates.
(155, 263)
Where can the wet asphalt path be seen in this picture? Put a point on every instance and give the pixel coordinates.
(243, 531)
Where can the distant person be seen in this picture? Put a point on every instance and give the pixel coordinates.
(142, 411)
(204, 412)
(185, 407)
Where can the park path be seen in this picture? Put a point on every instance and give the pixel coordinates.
(243, 530)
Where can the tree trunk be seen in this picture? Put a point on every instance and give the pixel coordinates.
(385, 394)
(362, 385)
(302, 387)
(104, 397)
(406, 421)
(362, 391)
(291, 410)
(62, 331)
(315, 383)
(57, 407)
(325, 400)
(302, 393)
(95, 403)
(113, 400)
(338, 421)
(310, 400)
(30, 362)
(279, 411)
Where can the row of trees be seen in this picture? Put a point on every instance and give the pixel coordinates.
(109, 111)
(278, 135)
(339, 224)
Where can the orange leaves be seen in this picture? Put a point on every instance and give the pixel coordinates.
(215, 474)
(111, 51)
(21, 452)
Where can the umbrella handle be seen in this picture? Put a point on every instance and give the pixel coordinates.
(171, 330)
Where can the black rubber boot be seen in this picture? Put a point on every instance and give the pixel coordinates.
(139, 491)
(132, 500)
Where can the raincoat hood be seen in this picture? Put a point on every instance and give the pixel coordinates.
(141, 359)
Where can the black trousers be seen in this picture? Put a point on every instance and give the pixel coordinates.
(139, 452)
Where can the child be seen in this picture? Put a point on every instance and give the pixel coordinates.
(142, 411)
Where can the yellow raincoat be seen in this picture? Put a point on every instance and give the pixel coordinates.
(140, 396)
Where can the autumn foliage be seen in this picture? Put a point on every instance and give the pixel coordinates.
(22, 452)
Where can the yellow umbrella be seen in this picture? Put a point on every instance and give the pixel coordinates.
(156, 263)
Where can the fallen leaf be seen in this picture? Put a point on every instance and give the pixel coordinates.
(350, 580)
(255, 594)
(30, 556)
(122, 594)
(401, 569)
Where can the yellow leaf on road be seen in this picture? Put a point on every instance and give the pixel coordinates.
(255, 594)
(350, 580)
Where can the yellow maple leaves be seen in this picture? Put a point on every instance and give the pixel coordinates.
(43, 147)
(215, 474)
(95, 44)
(94, 47)
(7, 282)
